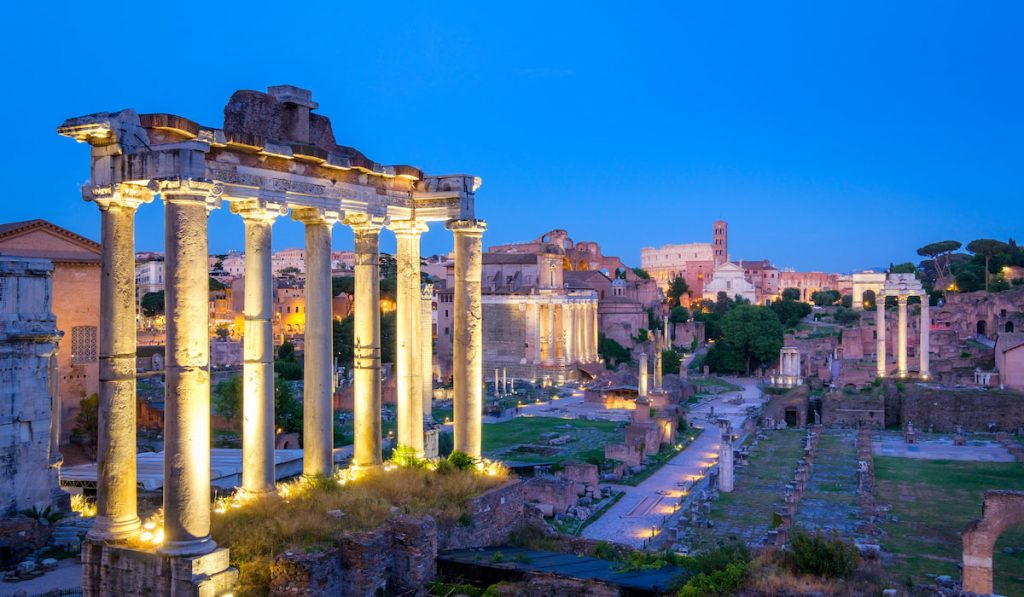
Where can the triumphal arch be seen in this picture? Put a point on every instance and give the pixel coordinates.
(273, 156)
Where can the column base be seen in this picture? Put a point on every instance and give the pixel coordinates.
(108, 529)
(194, 548)
(120, 570)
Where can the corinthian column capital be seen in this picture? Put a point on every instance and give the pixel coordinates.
(316, 215)
(471, 226)
(408, 227)
(188, 190)
(257, 210)
(122, 195)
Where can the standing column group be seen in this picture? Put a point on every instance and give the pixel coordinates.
(924, 345)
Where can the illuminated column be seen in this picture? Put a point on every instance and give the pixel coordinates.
(258, 352)
(535, 308)
(116, 506)
(366, 340)
(642, 381)
(408, 364)
(668, 335)
(558, 333)
(468, 336)
(593, 323)
(901, 336)
(925, 344)
(427, 349)
(549, 334)
(725, 463)
(187, 395)
(318, 353)
(568, 332)
(880, 334)
(657, 371)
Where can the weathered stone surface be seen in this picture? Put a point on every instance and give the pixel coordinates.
(117, 570)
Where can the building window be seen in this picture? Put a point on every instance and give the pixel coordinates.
(83, 344)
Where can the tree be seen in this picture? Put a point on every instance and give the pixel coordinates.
(677, 289)
(388, 266)
(152, 304)
(290, 271)
(216, 284)
(222, 331)
(678, 315)
(286, 352)
(670, 361)
(346, 284)
(611, 351)
(939, 252)
(846, 315)
(87, 424)
(285, 365)
(902, 268)
(988, 248)
(641, 273)
(846, 301)
(790, 312)
(790, 294)
(825, 298)
(752, 334)
(226, 399)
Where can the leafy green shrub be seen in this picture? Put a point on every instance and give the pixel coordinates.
(720, 582)
(829, 558)
(965, 355)
(637, 561)
(717, 559)
(461, 460)
(404, 455)
(603, 550)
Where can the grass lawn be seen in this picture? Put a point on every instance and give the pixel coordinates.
(933, 500)
(589, 438)
(714, 385)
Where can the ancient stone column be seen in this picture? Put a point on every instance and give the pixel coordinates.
(318, 353)
(366, 340)
(258, 352)
(558, 333)
(549, 335)
(537, 320)
(568, 332)
(187, 395)
(668, 335)
(657, 371)
(642, 381)
(116, 506)
(901, 336)
(427, 349)
(880, 335)
(408, 364)
(468, 335)
(594, 323)
(725, 460)
(924, 345)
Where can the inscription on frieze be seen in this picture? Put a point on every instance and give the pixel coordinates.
(270, 184)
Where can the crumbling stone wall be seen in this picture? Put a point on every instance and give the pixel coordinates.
(1002, 510)
(942, 409)
(556, 492)
(842, 409)
(797, 398)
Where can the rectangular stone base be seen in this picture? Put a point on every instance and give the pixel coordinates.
(121, 571)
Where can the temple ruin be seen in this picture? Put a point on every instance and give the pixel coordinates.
(273, 156)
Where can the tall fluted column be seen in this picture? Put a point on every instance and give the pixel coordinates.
(468, 336)
(901, 336)
(642, 379)
(408, 366)
(549, 334)
(880, 359)
(657, 371)
(187, 395)
(427, 349)
(116, 505)
(594, 323)
(537, 313)
(258, 352)
(366, 339)
(318, 353)
(568, 332)
(558, 331)
(924, 346)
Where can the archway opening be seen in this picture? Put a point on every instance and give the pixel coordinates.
(867, 299)
(1009, 327)
(980, 327)
(791, 417)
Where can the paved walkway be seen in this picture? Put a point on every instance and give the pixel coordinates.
(645, 506)
(942, 449)
(67, 575)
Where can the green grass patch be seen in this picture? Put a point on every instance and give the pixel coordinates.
(589, 438)
(933, 500)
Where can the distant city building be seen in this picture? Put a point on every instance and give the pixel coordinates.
(149, 276)
(808, 283)
(693, 261)
(75, 302)
(732, 280)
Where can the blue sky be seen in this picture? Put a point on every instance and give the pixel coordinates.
(829, 137)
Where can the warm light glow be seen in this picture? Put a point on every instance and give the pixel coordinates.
(84, 506)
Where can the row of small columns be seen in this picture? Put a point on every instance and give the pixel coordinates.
(924, 345)
(187, 403)
(565, 332)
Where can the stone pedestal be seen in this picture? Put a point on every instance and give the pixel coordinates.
(122, 571)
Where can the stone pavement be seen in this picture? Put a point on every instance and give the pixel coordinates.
(646, 506)
(892, 444)
(829, 502)
(67, 576)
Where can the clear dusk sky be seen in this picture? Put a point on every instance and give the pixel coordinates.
(829, 137)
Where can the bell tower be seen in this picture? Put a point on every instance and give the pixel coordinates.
(720, 242)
